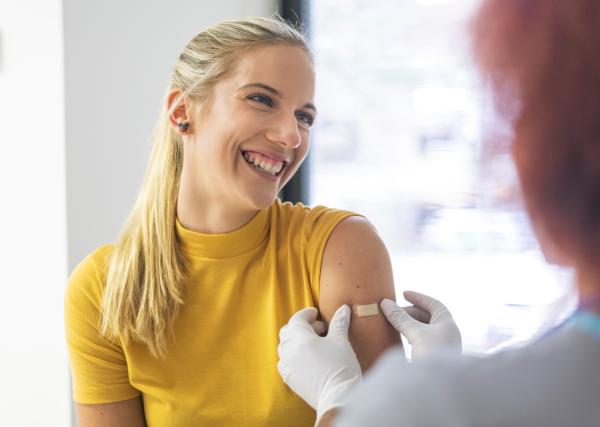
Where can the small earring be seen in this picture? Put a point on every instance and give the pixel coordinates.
(183, 126)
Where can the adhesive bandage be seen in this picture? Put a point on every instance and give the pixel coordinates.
(366, 310)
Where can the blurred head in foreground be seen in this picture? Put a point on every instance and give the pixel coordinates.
(542, 60)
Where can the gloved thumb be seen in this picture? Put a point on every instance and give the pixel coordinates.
(340, 322)
(399, 318)
(429, 304)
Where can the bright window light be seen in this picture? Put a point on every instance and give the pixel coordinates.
(401, 138)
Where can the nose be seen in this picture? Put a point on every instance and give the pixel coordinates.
(285, 132)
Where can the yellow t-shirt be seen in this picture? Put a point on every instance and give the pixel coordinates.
(221, 365)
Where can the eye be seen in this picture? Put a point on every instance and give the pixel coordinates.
(305, 118)
(261, 99)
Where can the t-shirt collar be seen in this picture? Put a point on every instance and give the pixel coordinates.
(226, 245)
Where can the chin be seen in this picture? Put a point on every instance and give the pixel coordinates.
(261, 201)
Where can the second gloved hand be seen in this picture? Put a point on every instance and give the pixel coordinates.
(427, 325)
(319, 369)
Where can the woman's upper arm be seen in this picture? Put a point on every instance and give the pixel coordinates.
(99, 367)
(127, 413)
(356, 269)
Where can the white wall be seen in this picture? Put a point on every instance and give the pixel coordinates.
(33, 247)
(75, 117)
(118, 57)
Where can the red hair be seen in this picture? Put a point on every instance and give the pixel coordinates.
(542, 58)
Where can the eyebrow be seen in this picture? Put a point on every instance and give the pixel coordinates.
(276, 92)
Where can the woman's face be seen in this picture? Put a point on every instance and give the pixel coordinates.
(249, 139)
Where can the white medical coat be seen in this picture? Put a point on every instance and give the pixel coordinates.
(554, 382)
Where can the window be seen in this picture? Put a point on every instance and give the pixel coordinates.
(400, 139)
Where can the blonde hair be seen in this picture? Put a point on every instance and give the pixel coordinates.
(144, 285)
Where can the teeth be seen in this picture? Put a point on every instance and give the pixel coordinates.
(272, 169)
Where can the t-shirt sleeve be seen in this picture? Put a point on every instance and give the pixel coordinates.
(98, 365)
(318, 226)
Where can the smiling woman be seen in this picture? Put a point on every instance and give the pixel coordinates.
(177, 323)
(247, 140)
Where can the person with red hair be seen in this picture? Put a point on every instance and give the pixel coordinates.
(542, 60)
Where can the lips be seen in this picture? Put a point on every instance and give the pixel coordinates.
(272, 155)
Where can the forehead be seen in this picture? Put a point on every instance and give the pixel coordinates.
(288, 69)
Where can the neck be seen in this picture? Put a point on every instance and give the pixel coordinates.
(210, 217)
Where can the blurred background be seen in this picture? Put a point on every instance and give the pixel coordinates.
(403, 137)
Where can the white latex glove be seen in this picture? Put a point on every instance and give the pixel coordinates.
(318, 369)
(427, 325)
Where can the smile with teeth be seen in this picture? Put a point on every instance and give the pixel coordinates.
(264, 163)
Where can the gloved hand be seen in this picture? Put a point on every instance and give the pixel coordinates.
(427, 325)
(318, 369)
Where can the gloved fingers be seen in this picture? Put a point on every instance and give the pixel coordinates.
(308, 314)
(340, 322)
(294, 331)
(434, 307)
(418, 313)
(319, 327)
(299, 325)
(294, 337)
(399, 318)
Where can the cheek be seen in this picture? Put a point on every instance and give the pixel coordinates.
(302, 151)
(216, 144)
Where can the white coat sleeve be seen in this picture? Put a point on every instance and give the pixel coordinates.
(399, 394)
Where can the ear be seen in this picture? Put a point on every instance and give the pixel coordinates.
(178, 103)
